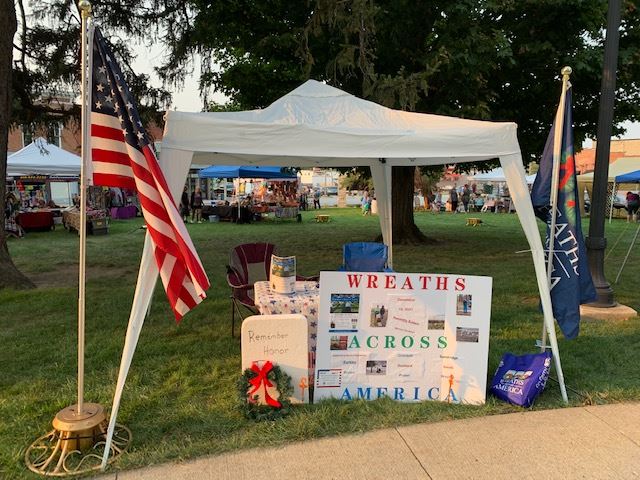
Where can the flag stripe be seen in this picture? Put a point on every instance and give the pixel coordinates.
(106, 132)
(108, 156)
(111, 179)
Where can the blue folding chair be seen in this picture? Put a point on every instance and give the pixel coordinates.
(365, 257)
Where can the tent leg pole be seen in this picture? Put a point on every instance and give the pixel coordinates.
(233, 317)
(633, 242)
(389, 179)
(613, 193)
(556, 358)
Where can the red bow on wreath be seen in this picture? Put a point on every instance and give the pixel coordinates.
(261, 379)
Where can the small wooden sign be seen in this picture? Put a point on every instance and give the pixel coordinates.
(284, 340)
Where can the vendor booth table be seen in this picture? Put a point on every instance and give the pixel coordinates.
(40, 220)
(227, 213)
(97, 223)
(123, 213)
(305, 301)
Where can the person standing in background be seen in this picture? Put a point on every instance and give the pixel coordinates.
(184, 204)
(453, 197)
(633, 204)
(316, 199)
(364, 201)
(466, 196)
(196, 206)
(437, 202)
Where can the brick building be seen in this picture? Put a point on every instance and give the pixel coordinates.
(65, 135)
(585, 160)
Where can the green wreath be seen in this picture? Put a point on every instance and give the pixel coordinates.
(255, 377)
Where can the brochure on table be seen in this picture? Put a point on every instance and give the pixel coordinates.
(283, 274)
(407, 336)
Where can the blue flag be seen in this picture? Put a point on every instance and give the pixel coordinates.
(571, 283)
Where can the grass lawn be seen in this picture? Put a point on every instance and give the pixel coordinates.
(180, 399)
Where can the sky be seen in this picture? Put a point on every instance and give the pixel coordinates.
(186, 99)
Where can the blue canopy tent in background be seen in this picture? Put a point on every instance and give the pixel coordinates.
(631, 177)
(222, 171)
(251, 171)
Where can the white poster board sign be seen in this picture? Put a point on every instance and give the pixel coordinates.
(407, 336)
(283, 340)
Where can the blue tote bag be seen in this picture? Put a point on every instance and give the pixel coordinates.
(519, 379)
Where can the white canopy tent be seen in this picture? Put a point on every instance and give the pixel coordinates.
(498, 175)
(318, 125)
(621, 166)
(43, 158)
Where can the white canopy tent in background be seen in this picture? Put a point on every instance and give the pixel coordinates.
(498, 175)
(316, 125)
(43, 158)
(619, 167)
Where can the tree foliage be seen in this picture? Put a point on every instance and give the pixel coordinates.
(41, 63)
(47, 63)
(9, 274)
(484, 59)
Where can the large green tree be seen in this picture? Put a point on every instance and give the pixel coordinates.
(9, 274)
(39, 60)
(482, 59)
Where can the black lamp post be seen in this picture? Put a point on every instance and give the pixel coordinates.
(596, 241)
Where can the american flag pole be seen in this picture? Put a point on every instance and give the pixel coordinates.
(85, 93)
(122, 155)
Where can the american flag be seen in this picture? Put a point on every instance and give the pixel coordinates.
(123, 157)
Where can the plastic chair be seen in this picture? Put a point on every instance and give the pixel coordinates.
(365, 257)
(249, 263)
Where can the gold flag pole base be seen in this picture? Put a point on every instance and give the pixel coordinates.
(76, 444)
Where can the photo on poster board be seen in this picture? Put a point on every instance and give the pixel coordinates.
(376, 367)
(339, 342)
(465, 334)
(410, 337)
(463, 304)
(435, 324)
(378, 316)
(344, 312)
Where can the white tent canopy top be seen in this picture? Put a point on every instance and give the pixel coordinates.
(619, 167)
(43, 158)
(318, 125)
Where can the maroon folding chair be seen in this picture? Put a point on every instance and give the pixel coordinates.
(249, 263)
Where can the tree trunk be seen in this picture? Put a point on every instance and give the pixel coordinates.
(10, 276)
(405, 231)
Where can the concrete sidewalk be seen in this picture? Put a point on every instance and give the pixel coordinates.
(586, 442)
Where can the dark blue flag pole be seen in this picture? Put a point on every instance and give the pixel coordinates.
(556, 130)
(555, 200)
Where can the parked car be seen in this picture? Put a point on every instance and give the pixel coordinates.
(332, 190)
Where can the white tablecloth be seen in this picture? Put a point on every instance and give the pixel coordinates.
(306, 301)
